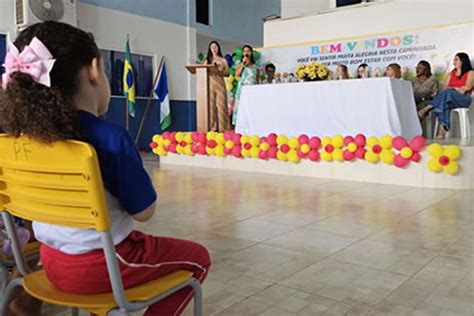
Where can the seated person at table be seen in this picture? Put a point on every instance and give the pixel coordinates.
(270, 70)
(394, 71)
(342, 72)
(249, 74)
(459, 85)
(425, 86)
(65, 101)
(363, 71)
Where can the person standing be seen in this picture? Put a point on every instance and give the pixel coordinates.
(219, 111)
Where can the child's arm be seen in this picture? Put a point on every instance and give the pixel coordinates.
(146, 214)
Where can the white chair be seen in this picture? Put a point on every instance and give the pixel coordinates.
(463, 115)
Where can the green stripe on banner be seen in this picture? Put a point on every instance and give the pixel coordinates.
(166, 123)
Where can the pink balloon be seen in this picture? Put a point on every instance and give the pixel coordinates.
(272, 139)
(182, 143)
(166, 135)
(348, 140)
(313, 155)
(314, 142)
(247, 146)
(195, 137)
(228, 135)
(303, 139)
(272, 152)
(285, 148)
(301, 154)
(418, 143)
(173, 148)
(360, 153)
(400, 162)
(227, 151)
(236, 139)
(237, 152)
(195, 148)
(202, 150)
(359, 140)
(263, 140)
(416, 157)
(202, 138)
(399, 142)
(212, 144)
(263, 154)
(172, 136)
(153, 145)
(348, 155)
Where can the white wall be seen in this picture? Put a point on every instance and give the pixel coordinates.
(292, 8)
(367, 19)
(147, 36)
(7, 18)
(202, 44)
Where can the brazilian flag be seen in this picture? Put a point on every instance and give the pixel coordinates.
(129, 81)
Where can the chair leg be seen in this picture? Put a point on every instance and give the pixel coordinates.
(197, 297)
(464, 124)
(7, 295)
(5, 279)
(74, 311)
(117, 312)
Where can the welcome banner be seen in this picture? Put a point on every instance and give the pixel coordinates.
(436, 45)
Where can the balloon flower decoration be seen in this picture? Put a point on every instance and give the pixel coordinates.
(395, 151)
(444, 158)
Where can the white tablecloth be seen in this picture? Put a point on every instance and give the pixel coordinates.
(373, 107)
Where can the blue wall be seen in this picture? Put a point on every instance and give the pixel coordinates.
(237, 20)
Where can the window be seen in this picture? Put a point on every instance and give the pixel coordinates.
(342, 3)
(3, 50)
(202, 11)
(142, 68)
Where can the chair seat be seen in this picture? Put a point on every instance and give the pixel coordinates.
(37, 285)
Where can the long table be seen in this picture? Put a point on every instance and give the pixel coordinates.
(373, 107)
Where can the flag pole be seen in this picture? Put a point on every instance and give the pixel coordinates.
(150, 98)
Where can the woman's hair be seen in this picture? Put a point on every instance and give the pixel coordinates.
(397, 69)
(363, 66)
(48, 113)
(345, 71)
(465, 63)
(251, 55)
(270, 66)
(209, 52)
(427, 66)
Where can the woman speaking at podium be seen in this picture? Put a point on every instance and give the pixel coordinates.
(219, 114)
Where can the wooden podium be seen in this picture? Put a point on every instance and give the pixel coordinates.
(202, 94)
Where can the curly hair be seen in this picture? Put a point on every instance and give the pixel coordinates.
(48, 113)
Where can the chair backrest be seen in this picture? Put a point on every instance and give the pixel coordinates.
(58, 183)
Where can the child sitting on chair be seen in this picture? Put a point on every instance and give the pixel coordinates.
(56, 89)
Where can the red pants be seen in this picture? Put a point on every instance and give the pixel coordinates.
(141, 257)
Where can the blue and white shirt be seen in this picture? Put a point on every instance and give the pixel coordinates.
(127, 185)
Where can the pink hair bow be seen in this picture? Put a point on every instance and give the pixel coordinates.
(34, 60)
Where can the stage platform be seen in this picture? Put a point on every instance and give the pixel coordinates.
(415, 174)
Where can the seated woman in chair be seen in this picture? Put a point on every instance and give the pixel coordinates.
(459, 85)
(57, 89)
(425, 87)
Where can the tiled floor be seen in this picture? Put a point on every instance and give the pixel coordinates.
(302, 246)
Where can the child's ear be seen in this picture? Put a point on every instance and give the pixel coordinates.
(94, 71)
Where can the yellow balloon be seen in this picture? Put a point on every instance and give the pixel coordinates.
(386, 141)
(452, 151)
(451, 168)
(338, 141)
(220, 151)
(220, 138)
(406, 152)
(188, 139)
(293, 143)
(160, 151)
(326, 156)
(326, 141)
(245, 153)
(352, 147)
(372, 141)
(210, 135)
(387, 156)
(157, 139)
(305, 148)
(282, 139)
(264, 146)
(210, 151)
(254, 152)
(255, 140)
(281, 156)
(337, 154)
(180, 150)
(435, 150)
(179, 136)
(188, 151)
(371, 157)
(229, 144)
(245, 139)
(293, 156)
(167, 142)
(434, 165)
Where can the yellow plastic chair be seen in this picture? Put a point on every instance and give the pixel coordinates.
(61, 184)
